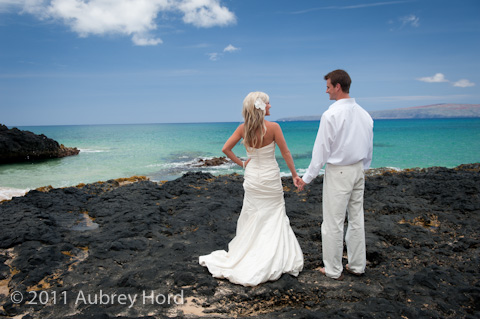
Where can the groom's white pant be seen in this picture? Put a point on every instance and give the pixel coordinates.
(343, 188)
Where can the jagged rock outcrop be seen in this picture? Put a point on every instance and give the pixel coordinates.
(216, 161)
(20, 146)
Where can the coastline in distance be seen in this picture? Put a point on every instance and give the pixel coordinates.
(416, 112)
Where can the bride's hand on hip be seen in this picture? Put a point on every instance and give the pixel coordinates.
(246, 163)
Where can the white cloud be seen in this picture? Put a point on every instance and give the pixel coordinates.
(463, 83)
(126, 17)
(412, 20)
(355, 6)
(205, 13)
(7, 5)
(141, 40)
(230, 48)
(213, 56)
(438, 77)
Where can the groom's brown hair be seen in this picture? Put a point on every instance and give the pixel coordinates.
(341, 77)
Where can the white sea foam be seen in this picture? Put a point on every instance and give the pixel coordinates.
(285, 174)
(181, 167)
(180, 164)
(7, 193)
(300, 172)
(195, 164)
(87, 150)
(156, 165)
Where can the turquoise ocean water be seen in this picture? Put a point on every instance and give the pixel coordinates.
(166, 151)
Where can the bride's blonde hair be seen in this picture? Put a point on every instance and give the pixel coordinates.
(254, 119)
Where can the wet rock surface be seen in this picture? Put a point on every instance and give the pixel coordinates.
(422, 232)
(215, 161)
(20, 146)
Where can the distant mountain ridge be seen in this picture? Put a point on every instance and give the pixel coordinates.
(415, 112)
(430, 111)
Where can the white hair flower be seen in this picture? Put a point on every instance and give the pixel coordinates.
(259, 104)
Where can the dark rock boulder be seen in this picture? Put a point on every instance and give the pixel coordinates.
(216, 161)
(20, 146)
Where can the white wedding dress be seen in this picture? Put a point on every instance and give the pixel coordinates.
(264, 246)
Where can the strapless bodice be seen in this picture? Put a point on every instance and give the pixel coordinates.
(268, 151)
(263, 163)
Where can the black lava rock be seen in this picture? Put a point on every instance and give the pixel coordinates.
(96, 246)
(20, 146)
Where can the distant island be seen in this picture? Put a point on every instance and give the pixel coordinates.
(416, 112)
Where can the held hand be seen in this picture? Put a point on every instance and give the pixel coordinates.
(299, 183)
(296, 181)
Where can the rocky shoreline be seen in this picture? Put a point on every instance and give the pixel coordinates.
(134, 246)
(21, 146)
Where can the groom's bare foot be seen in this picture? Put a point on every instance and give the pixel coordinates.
(352, 272)
(322, 270)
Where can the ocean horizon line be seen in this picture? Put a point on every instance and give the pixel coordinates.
(118, 124)
(223, 122)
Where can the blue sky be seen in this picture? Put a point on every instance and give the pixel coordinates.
(68, 62)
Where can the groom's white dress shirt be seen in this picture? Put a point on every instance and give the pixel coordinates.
(345, 137)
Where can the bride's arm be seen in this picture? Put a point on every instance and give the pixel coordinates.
(230, 144)
(282, 144)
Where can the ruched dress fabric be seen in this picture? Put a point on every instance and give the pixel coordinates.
(264, 246)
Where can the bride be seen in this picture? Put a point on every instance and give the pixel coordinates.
(264, 246)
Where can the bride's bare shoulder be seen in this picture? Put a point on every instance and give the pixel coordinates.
(272, 125)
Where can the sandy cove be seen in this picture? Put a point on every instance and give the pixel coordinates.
(62, 248)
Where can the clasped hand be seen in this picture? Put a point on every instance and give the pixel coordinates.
(299, 183)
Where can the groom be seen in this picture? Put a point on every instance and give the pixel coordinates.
(344, 143)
